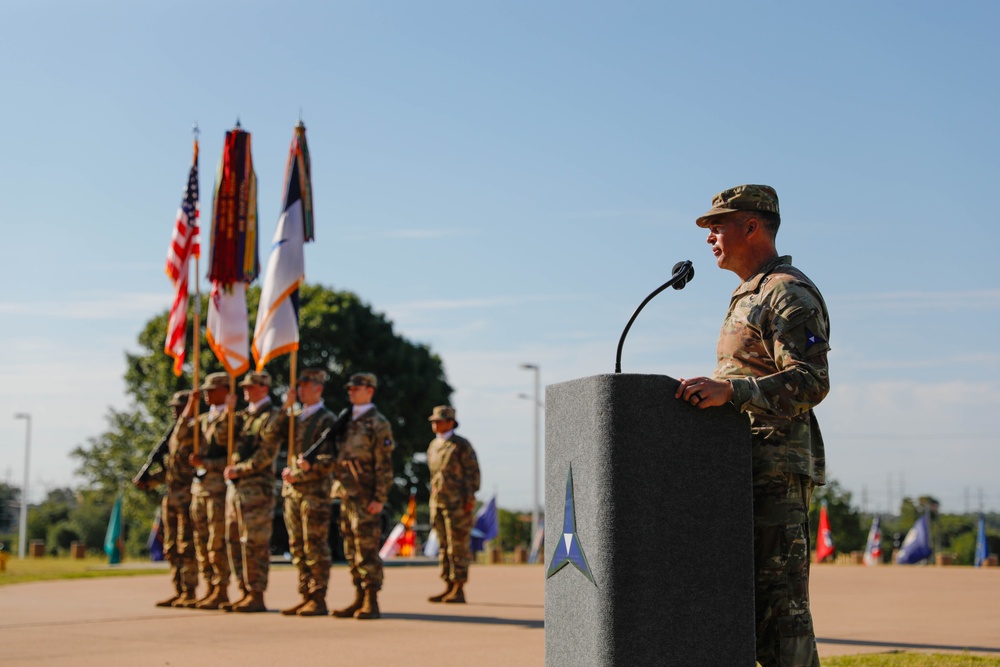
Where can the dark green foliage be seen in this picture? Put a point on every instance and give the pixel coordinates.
(850, 532)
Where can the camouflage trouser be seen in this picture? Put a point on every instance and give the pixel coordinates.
(362, 537)
(209, 519)
(178, 539)
(785, 636)
(307, 518)
(249, 518)
(454, 531)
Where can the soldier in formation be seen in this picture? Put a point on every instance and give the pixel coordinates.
(364, 477)
(208, 489)
(249, 510)
(176, 474)
(307, 483)
(454, 481)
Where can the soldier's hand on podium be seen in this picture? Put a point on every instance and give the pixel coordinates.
(702, 392)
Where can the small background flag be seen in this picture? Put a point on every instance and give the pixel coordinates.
(401, 540)
(183, 246)
(487, 525)
(114, 546)
(982, 552)
(873, 547)
(233, 258)
(155, 541)
(277, 329)
(917, 544)
(824, 538)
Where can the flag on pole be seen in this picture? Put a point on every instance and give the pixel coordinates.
(114, 546)
(233, 260)
(154, 543)
(917, 544)
(487, 525)
(873, 547)
(277, 329)
(401, 540)
(183, 246)
(982, 552)
(824, 538)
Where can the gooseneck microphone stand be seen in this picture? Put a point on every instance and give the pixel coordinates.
(682, 274)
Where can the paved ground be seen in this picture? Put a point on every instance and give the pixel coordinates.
(110, 622)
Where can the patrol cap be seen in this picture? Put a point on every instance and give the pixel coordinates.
(215, 381)
(251, 379)
(179, 398)
(741, 198)
(317, 375)
(442, 413)
(362, 380)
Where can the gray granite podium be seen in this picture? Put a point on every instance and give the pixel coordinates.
(649, 527)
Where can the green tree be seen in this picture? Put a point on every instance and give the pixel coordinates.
(846, 524)
(338, 332)
(515, 529)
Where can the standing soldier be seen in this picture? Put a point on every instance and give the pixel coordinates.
(306, 490)
(178, 539)
(250, 498)
(208, 489)
(364, 477)
(454, 482)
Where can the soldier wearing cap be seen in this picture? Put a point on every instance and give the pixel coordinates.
(306, 489)
(772, 364)
(260, 428)
(364, 476)
(208, 488)
(454, 472)
(175, 509)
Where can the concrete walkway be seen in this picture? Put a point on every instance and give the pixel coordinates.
(110, 622)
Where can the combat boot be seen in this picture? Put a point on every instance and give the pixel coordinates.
(457, 595)
(184, 598)
(369, 607)
(218, 598)
(316, 606)
(228, 606)
(348, 611)
(193, 602)
(291, 611)
(253, 602)
(441, 596)
(169, 602)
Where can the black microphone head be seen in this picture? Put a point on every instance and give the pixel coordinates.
(684, 272)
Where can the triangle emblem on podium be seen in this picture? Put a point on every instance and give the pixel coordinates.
(569, 550)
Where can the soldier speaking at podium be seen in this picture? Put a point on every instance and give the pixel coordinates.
(772, 364)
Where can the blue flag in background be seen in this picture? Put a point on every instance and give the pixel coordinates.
(917, 545)
(487, 525)
(113, 544)
(155, 541)
(981, 551)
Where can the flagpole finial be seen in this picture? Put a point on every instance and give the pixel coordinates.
(195, 131)
(238, 126)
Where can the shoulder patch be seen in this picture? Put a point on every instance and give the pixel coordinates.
(812, 339)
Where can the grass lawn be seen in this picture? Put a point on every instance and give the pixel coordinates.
(43, 569)
(910, 660)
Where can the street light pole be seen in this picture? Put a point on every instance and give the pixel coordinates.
(535, 471)
(22, 539)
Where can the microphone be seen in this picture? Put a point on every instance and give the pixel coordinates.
(682, 274)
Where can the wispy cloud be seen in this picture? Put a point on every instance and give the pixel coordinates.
(91, 306)
(414, 307)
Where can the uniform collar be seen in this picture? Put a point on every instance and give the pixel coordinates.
(752, 284)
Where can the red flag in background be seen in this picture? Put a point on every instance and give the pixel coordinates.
(183, 246)
(824, 538)
(408, 543)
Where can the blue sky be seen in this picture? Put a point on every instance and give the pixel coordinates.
(507, 181)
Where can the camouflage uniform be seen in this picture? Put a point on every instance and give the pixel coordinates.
(773, 350)
(363, 473)
(177, 474)
(307, 505)
(454, 481)
(250, 499)
(208, 499)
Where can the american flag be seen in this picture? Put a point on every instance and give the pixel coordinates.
(183, 246)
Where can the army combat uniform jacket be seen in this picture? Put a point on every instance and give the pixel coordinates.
(364, 459)
(454, 472)
(773, 350)
(318, 481)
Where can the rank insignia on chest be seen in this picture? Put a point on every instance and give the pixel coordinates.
(388, 442)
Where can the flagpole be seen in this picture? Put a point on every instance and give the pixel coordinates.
(232, 423)
(197, 320)
(291, 421)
